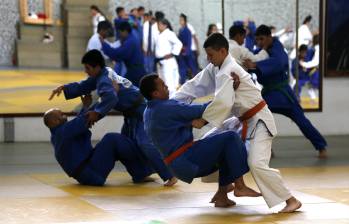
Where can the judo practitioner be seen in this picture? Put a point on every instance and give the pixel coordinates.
(130, 52)
(167, 46)
(186, 59)
(247, 104)
(87, 164)
(303, 74)
(240, 53)
(173, 136)
(116, 93)
(272, 73)
(148, 43)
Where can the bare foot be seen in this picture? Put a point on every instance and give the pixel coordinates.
(246, 192)
(292, 205)
(322, 154)
(230, 189)
(171, 182)
(224, 203)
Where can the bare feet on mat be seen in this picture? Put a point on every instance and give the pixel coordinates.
(246, 192)
(224, 202)
(230, 188)
(292, 205)
(322, 154)
(171, 182)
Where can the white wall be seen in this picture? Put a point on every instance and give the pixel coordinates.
(334, 120)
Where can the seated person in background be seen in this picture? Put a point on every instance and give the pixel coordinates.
(169, 123)
(91, 166)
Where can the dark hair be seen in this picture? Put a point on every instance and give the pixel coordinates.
(104, 25)
(316, 39)
(235, 30)
(209, 29)
(159, 15)
(263, 30)
(94, 7)
(93, 58)
(303, 47)
(141, 8)
(216, 41)
(165, 22)
(125, 26)
(119, 9)
(183, 16)
(147, 85)
(272, 27)
(307, 19)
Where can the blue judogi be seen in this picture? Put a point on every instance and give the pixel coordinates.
(186, 60)
(303, 76)
(130, 52)
(272, 74)
(127, 100)
(91, 166)
(168, 124)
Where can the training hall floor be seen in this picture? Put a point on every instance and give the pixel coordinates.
(33, 189)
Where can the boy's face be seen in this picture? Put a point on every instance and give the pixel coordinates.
(161, 92)
(264, 41)
(181, 21)
(302, 54)
(216, 57)
(240, 38)
(92, 71)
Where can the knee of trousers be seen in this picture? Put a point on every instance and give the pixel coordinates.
(257, 164)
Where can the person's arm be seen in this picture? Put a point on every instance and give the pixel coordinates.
(118, 54)
(221, 106)
(109, 98)
(176, 43)
(203, 84)
(185, 112)
(246, 54)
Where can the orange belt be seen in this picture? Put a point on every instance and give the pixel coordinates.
(178, 152)
(249, 114)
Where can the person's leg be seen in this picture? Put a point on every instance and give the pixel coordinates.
(268, 180)
(182, 68)
(153, 155)
(113, 147)
(296, 114)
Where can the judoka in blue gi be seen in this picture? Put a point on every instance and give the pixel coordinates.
(121, 16)
(130, 52)
(272, 73)
(87, 164)
(186, 59)
(117, 93)
(169, 125)
(303, 74)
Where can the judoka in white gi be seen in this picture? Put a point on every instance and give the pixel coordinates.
(215, 79)
(166, 48)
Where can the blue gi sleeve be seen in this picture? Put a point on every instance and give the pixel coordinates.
(269, 67)
(109, 98)
(187, 112)
(76, 89)
(75, 127)
(118, 54)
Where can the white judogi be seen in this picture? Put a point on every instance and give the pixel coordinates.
(241, 53)
(304, 35)
(314, 62)
(95, 20)
(168, 43)
(227, 103)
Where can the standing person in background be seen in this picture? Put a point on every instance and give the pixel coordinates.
(194, 46)
(212, 28)
(148, 43)
(166, 48)
(185, 59)
(97, 16)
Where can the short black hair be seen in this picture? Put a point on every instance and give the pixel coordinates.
(125, 26)
(94, 7)
(216, 41)
(303, 47)
(93, 58)
(147, 85)
(307, 19)
(104, 25)
(166, 22)
(141, 8)
(263, 30)
(183, 16)
(119, 9)
(235, 30)
(159, 15)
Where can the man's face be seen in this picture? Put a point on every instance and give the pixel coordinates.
(56, 117)
(103, 33)
(122, 14)
(240, 38)
(161, 26)
(161, 92)
(92, 71)
(264, 41)
(181, 21)
(216, 57)
(123, 34)
(302, 54)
